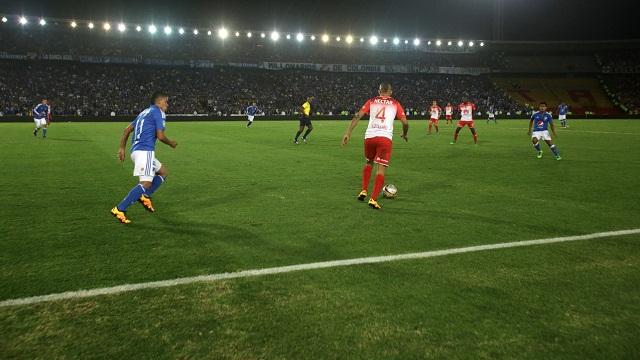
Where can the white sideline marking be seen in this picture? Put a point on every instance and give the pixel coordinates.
(285, 269)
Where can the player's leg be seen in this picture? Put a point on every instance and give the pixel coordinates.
(143, 169)
(159, 179)
(249, 120)
(35, 131)
(536, 145)
(309, 130)
(435, 124)
(383, 155)
(369, 155)
(429, 127)
(456, 133)
(474, 133)
(44, 128)
(300, 130)
(553, 148)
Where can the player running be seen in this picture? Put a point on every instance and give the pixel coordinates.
(492, 115)
(563, 109)
(252, 110)
(466, 119)
(305, 120)
(42, 117)
(383, 111)
(148, 126)
(435, 112)
(539, 123)
(448, 113)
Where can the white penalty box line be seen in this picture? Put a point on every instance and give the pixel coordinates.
(79, 294)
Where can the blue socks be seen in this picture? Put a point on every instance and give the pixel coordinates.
(537, 146)
(157, 181)
(555, 150)
(44, 132)
(132, 197)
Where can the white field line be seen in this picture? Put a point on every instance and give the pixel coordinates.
(586, 131)
(291, 268)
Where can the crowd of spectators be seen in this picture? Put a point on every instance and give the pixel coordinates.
(624, 90)
(106, 89)
(619, 62)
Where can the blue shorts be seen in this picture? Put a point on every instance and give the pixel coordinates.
(305, 121)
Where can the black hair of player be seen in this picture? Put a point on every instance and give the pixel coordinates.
(157, 95)
(543, 103)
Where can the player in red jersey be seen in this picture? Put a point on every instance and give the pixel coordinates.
(466, 119)
(435, 112)
(382, 110)
(448, 113)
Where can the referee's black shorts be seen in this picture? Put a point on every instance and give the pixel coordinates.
(305, 120)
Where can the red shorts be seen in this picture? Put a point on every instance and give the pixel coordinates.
(448, 117)
(435, 121)
(465, 123)
(378, 150)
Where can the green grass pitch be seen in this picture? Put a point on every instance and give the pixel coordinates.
(239, 198)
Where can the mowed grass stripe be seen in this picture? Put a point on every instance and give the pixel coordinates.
(301, 267)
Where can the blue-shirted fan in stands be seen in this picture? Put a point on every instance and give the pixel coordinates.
(539, 126)
(252, 110)
(146, 128)
(42, 117)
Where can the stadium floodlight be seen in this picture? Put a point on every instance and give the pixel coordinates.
(74, 24)
(223, 33)
(196, 32)
(90, 25)
(138, 28)
(471, 43)
(449, 43)
(23, 20)
(208, 32)
(4, 19)
(396, 41)
(406, 42)
(122, 27)
(263, 35)
(349, 39)
(106, 26)
(384, 41)
(338, 38)
(299, 37)
(42, 22)
(313, 37)
(429, 42)
(237, 34)
(325, 38)
(249, 34)
(438, 42)
(288, 36)
(361, 39)
(275, 36)
(181, 31)
(152, 29)
(460, 43)
(416, 42)
(373, 40)
(482, 43)
(168, 30)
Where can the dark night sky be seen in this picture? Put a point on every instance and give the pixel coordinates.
(523, 19)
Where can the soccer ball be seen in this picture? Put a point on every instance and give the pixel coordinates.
(390, 191)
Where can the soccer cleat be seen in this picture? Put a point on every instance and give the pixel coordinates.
(304, 140)
(35, 132)
(374, 204)
(363, 194)
(558, 157)
(539, 156)
(295, 141)
(452, 143)
(146, 202)
(120, 215)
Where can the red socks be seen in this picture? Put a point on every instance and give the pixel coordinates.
(377, 187)
(366, 176)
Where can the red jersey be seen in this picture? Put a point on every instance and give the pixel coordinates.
(448, 110)
(382, 110)
(435, 112)
(466, 111)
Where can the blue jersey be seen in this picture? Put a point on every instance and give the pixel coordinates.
(252, 110)
(41, 111)
(541, 120)
(144, 128)
(562, 109)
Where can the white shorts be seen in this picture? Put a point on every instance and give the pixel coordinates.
(145, 164)
(562, 117)
(40, 122)
(541, 135)
(491, 116)
(250, 117)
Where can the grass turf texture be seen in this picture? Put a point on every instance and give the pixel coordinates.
(240, 198)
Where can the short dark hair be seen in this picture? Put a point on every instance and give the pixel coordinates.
(385, 87)
(157, 95)
(543, 102)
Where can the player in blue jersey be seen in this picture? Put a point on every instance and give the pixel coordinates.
(539, 126)
(42, 117)
(147, 127)
(563, 109)
(252, 110)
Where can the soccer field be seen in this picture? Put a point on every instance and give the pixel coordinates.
(239, 199)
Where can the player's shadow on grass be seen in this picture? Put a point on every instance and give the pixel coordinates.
(69, 140)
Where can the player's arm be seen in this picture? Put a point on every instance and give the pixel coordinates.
(405, 126)
(123, 141)
(163, 138)
(530, 126)
(553, 128)
(352, 125)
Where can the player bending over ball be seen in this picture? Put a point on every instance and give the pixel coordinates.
(382, 110)
(146, 128)
(540, 122)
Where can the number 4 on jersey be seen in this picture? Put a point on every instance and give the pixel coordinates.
(380, 115)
